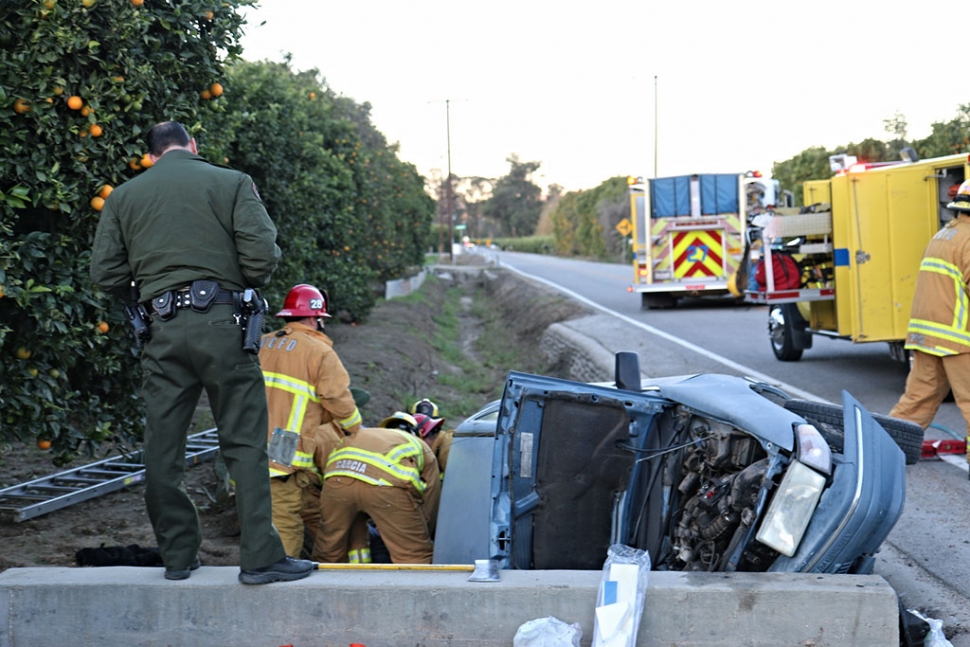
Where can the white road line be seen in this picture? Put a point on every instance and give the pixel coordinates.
(740, 368)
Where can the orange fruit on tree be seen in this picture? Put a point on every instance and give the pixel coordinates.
(103, 327)
(216, 89)
(88, 3)
(138, 3)
(134, 164)
(106, 191)
(209, 15)
(23, 353)
(146, 161)
(86, 110)
(96, 130)
(205, 94)
(43, 443)
(20, 106)
(83, 133)
(75, 102)
(97, 203)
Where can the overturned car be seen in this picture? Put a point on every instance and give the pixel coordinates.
(706, 472)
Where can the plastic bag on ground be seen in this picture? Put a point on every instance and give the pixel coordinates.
(548, 632)
(619, 605)
(935, 637)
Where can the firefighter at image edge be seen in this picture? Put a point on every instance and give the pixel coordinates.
(939, 324)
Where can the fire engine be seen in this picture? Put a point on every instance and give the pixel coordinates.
(688, 231)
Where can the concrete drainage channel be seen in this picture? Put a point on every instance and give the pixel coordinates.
(437, 607)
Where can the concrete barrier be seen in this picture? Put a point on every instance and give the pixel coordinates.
(130, 607)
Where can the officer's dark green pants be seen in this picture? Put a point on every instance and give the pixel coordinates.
(191, 352)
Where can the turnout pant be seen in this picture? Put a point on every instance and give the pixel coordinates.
(396, 512)
(188, 353)
(927, 384)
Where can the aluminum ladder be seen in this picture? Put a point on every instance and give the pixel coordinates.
(43, 495)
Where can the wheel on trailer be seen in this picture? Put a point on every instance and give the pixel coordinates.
(657, 301)
(781, 332)
(828, 419)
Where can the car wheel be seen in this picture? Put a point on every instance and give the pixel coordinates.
(780, 333)
(828, 419)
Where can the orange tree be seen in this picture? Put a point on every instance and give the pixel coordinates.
(80, 81)
(349, 212)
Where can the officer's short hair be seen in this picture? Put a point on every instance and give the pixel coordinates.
(165, 135)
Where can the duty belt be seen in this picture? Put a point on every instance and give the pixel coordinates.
(199, 296)
(183, 298)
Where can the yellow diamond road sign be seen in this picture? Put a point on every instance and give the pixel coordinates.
(624, 227)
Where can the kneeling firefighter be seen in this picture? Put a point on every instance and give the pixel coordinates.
(392, 477)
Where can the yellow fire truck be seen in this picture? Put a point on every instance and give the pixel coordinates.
(858, 243)
(688, 232)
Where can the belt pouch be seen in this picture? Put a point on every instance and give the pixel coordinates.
(202, 293)
(164, 305)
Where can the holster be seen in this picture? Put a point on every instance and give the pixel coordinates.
(202, 293)
(164, 305)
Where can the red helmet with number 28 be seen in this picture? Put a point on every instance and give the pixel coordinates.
(304, 300)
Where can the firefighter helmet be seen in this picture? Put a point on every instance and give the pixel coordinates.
(425, 406)
(402, 421)
(428, 425)
(304, 300)
(962, 200)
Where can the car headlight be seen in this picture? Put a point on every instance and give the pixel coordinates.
(791, 509)
(812, 449)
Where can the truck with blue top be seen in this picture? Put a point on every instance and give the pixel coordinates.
(688, 232)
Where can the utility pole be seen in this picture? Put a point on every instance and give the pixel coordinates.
(655, 126)
(451, 213)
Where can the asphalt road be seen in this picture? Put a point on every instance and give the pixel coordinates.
(927, 556)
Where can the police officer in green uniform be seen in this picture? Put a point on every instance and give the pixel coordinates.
(192, 236)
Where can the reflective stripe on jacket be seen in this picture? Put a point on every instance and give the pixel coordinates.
(384, 457)
(307, 390)
(939, 320)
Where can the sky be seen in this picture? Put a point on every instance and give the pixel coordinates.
(574, 84)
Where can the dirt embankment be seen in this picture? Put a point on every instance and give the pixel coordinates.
(397, 355)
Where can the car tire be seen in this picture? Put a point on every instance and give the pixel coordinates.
(828, 419)
(781, 333)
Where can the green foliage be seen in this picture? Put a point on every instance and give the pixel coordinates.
(945, 138)
(516, 200)
(584, 222)
(349, 212)
(528, 244)
(63, 378)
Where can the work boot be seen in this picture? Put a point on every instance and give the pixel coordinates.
(285, 570)
(182, 573)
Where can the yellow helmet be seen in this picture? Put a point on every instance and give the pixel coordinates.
(962, 200)
(425, 406)
(402, 421)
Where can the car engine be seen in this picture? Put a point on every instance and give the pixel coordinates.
(722, 471)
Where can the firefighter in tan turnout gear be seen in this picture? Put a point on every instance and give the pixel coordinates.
(389, 475)
(431, 429)
(939, 325)
(310, 409)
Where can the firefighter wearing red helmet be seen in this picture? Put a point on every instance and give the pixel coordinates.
(939, 324)
(311, 408)
(432, 431)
